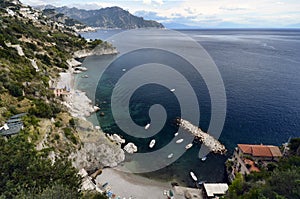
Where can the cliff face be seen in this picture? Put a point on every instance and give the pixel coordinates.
(96, 51)
(113, 17)
(97, 150)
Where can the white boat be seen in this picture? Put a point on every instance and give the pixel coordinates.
(172, 90)
(152, 143)
(123, 69)
(77, 71)
(193, 176)
(203, 158)
(188, 146)
(179, 141)
(170, 155)
(175, 134)
(147, 126)
(81, 68)
(84, 76)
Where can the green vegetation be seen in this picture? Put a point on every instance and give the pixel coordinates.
(278, 181)
(25, 170)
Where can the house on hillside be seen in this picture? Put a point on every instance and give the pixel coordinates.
(247, 158)
(13, 126)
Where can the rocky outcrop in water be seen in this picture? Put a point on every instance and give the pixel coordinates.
(213, 144)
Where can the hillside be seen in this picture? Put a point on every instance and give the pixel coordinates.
(113, 17)
(33, 51)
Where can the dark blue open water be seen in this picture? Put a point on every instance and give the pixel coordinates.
(261, 74)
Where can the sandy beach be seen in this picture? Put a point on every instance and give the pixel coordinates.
(128, 185)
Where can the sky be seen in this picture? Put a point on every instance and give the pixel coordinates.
(200, 13)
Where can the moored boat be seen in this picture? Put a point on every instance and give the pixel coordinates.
(193, 176)
(152, 143)
(172, 90)
(203, 158)
(170, 155)
(179, 141)
(188, 146)
(147, 126)
(176, 134)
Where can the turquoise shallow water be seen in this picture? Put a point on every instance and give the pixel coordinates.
(261, 74)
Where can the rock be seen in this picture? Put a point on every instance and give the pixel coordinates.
(97, 51)
(93, 156)
(73, 63)
(130, 148)
(97, 127)
(116, 138)
(102, 114)
(96, 108)
(97, 150)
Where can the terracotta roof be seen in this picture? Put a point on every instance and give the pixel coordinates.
(260, 150)
(252, 165)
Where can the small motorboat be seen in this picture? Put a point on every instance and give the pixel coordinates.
(170, 155)
(147, 126)
(123, 69)
(84, 76)
(188, 146)
(152, 143)
(172, 90)
(179, 141)
(77, 71)
(176, 134)
(203, 158)
(193, 176)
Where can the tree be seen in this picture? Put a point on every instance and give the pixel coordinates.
(23, 169)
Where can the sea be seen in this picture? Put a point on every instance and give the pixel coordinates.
(260, 71)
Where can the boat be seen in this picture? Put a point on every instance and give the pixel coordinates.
(84, 76)
(81, 68)
(176, 134)
(147, 126)
(179, 141)
(203, 158)
(170, 155)
(152, 143)
(188, 146)
(123, 69)
(193, 176)
(172, 90)
(77, 71)
(171, 194)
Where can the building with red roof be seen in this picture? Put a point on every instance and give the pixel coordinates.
(248, 157)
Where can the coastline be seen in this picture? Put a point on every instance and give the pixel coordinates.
(94, 139)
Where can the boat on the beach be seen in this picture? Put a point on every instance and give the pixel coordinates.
(77, 71)
(147, 126)
(170, 194)
(152, 143)
(193, 176)
(179, 141)
(81, 68)
(170, 155)
(176, 134)
(172, 90)
(188, 146)
(203, 158)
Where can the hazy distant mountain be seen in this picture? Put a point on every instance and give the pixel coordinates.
(113, 17)
(173, 25)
